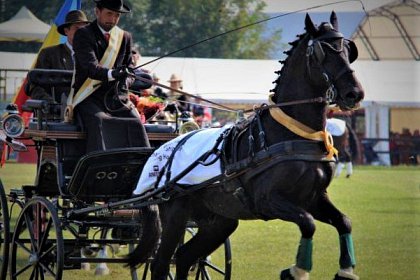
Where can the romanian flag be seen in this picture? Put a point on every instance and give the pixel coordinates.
(52, 38)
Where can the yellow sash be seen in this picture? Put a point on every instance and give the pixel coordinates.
(303, 130)
(90, 85)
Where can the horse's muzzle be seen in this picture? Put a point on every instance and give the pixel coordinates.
(351, 98)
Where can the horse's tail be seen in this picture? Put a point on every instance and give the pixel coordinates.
(151, 231)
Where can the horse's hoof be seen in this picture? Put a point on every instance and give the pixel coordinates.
(101, 271)
(350, 277)
(90, 251)
(286, 275)
(85, 266)
(348, 176)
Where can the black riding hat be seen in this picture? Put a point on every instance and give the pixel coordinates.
(113, 5)
(72, 17)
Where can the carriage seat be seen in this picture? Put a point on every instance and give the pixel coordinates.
(50, 77)
(57, 83)
(108, 175)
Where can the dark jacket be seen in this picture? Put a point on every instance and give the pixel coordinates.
(55, 57)
(89, 46)
(106, 128)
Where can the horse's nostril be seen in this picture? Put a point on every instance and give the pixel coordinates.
(351, 95)
(354, 95)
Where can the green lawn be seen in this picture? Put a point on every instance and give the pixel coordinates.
(382, 202)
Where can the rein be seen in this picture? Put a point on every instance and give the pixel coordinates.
(259, 108)
(289, 103)
(183, 92)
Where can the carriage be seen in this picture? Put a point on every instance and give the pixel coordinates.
(277, 164)
(77, 198)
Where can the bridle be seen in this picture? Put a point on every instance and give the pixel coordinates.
(316, 50)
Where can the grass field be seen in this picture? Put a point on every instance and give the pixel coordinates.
(382, 202)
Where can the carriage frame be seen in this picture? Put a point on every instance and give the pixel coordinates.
(76, 197)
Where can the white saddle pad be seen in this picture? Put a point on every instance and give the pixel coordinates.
(336, 127)
(191, 150)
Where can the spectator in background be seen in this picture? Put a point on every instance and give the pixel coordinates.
(59, 57)
(394, 148)
(139, 87)
(416, 143)
(201, 113)
(179, 100)
(406, 146)
(341, 135)
(157, 91)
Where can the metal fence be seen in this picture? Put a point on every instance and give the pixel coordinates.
(402, 150)
(10, 82)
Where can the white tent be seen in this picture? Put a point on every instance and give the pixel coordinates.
(24, 27)
(389, 38)
(390, 32)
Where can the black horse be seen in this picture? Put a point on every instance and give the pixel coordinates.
(276, 165)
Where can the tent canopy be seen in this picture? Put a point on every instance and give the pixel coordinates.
(24, 27)
(390, 32)
(276, 6)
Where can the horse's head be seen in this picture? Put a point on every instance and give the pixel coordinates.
(328, 57)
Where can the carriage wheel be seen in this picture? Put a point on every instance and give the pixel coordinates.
(4, 233)
(216, 266)
(37, 243)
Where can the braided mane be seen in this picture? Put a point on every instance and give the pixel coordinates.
(300, 43)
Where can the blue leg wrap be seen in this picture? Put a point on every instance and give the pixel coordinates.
(304, 254)
(347, 258)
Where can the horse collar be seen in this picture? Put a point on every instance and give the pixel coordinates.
(302, 130)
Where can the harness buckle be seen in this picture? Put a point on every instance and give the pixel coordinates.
(331, 94)
(229, 175)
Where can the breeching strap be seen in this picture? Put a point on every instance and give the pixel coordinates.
(302, 130)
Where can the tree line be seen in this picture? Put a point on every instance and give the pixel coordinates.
(163, 26)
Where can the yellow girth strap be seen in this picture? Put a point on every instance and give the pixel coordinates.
(302, 130)
(90, 85)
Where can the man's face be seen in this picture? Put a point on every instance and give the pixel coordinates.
(176, 84)
(136, 57)
(107, 19)
(71, 30)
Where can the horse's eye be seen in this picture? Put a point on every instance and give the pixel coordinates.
(336, 44)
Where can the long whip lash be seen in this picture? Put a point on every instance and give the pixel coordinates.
(250, 24)
(227, 32)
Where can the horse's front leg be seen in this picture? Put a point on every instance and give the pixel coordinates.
(174, 215)
(281, 208)
(326, 212)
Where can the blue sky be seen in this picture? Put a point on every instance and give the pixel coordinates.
(294, 24)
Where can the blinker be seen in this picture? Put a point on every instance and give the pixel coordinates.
(353, 52)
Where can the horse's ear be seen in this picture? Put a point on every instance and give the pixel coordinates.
(334, 20)
(310, 26)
